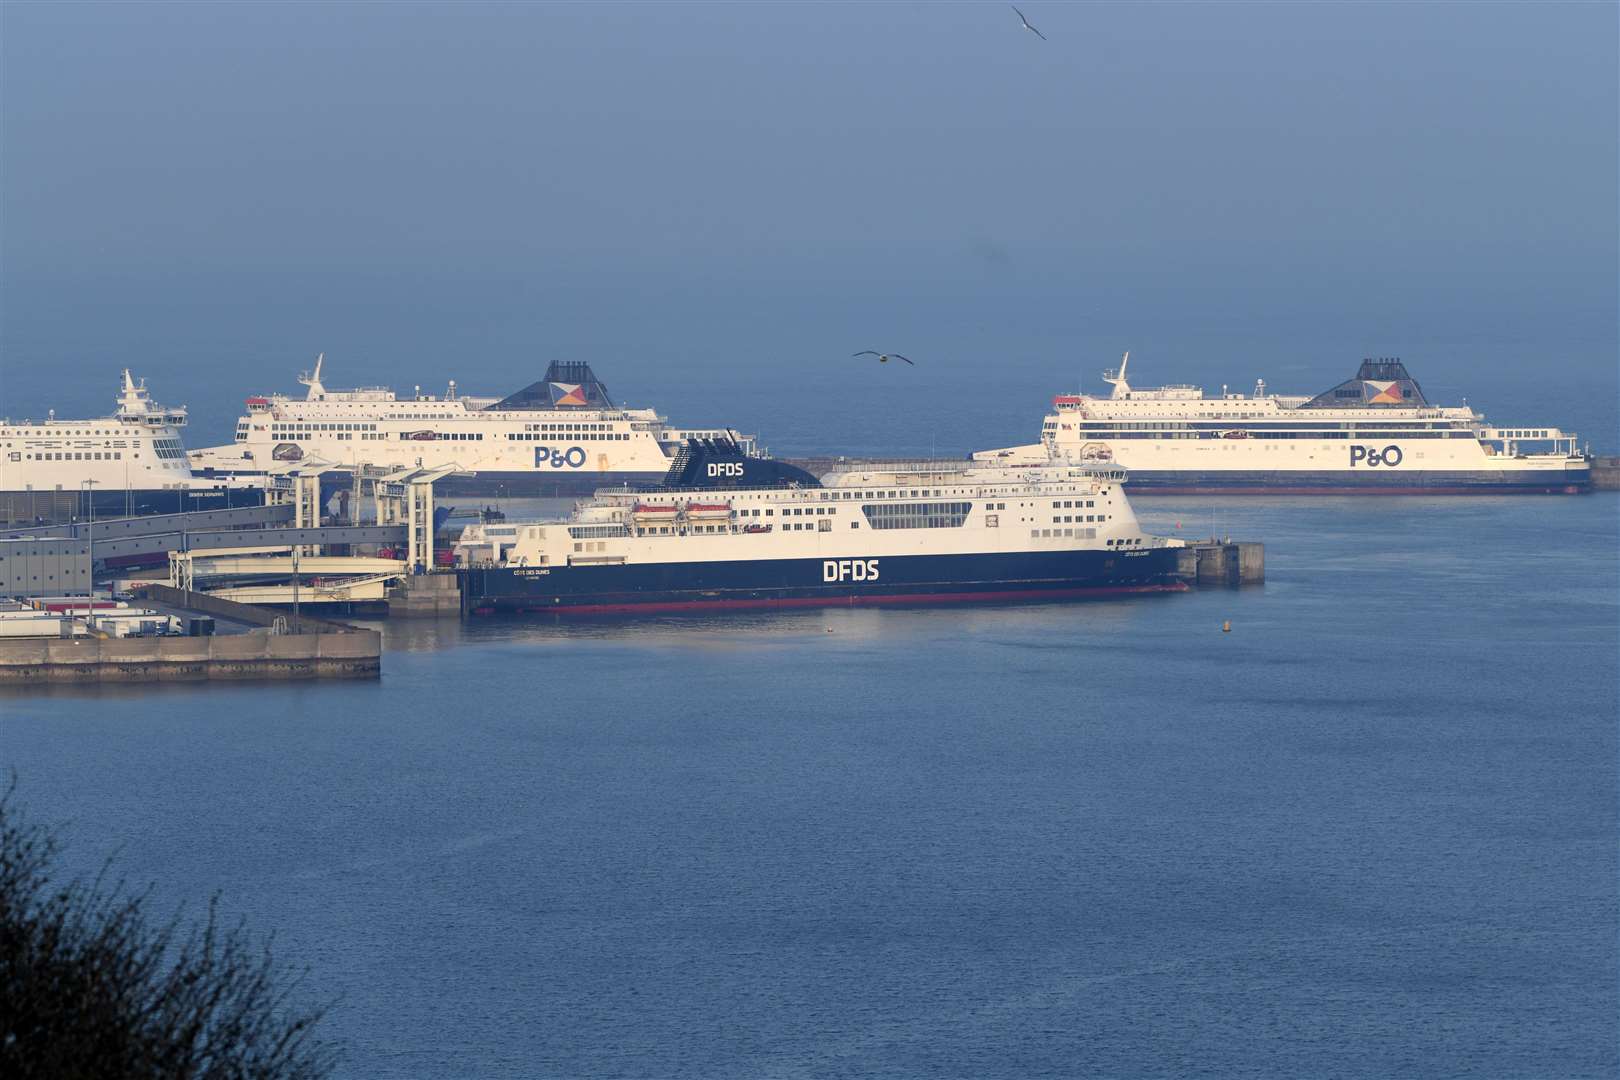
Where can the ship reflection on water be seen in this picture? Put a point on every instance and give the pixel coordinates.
(841, 626)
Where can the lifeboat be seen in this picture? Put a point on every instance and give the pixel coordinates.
(708, 510)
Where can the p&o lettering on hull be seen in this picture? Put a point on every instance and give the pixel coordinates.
(572, 458)
(1390, 455)
(849, 570)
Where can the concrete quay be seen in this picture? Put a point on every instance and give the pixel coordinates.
(258, 643)
(1606, 474)
(254, 655)
(1216, 563)
(426, 596)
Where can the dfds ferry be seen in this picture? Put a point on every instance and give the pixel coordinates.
(129, 463)
(1374, 433)
(730, 531)
(559, 436)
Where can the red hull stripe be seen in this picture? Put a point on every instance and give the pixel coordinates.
(847, 601)
(1304, 489)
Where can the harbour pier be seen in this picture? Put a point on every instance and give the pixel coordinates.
(226, 641)
(1212, 563)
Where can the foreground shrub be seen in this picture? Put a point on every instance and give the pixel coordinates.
(92, 986)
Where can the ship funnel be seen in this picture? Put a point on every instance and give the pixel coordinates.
(721, 463)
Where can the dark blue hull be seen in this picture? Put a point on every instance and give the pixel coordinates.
(764, 583)
(18, 508)
(548, 484)
(1570, 481)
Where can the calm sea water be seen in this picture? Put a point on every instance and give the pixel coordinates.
(1369, 832)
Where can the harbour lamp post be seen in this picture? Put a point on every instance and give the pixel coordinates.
(90, 586)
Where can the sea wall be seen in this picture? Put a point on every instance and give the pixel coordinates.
(1242, 563)
(254, 655)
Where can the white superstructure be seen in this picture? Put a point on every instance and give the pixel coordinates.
(561, 433)
(723, 532)
(926, 508)
(1375, 432)
(132, 460)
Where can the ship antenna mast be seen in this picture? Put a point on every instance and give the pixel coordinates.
(313, 380)
(1116, 379)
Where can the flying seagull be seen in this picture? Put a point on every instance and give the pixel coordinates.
(1025, 21)
(883, 358)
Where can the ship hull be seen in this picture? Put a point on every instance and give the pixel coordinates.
(22, 508)
(1572, 481)
(515, 485)
(549, 484)
(815, 582)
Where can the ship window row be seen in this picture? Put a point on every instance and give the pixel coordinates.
(1223, 422)
(938, 515)
(1066, 519)
(1067, 504)
(452, 436)
(532, 436)
(1261, 433)
(807, 511)
(1057, 534)
(923, 493)
(88, 455)
(568, 427)
(322, 427)
(583, 532)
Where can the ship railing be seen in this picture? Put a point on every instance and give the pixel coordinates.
(950, 465)
(1511, 440)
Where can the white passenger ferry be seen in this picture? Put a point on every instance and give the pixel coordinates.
(132, 462)
(729, 531)
(1374, 433)
(559, 436)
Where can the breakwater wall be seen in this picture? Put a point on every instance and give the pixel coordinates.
(1212, 563)
(270, 645)
(254, 655)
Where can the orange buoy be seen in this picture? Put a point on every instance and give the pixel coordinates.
(1226, 627)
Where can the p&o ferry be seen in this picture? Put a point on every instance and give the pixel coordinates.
(132, 462)
(561, 435)
(1374, 433)
(726, 530)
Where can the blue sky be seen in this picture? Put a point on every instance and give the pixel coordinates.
(752, 191)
